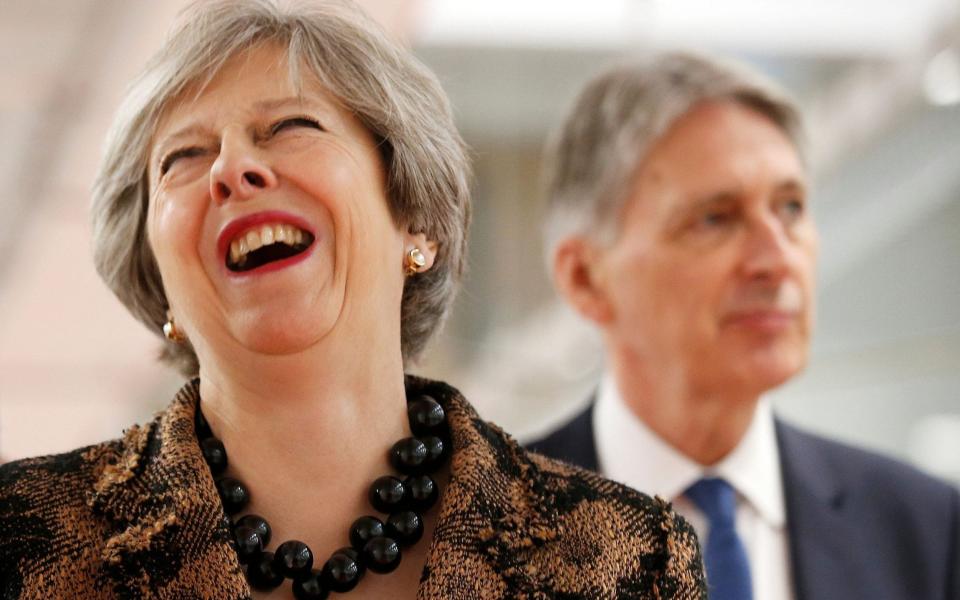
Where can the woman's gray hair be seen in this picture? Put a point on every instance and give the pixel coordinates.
(592, 160)
(395, 97)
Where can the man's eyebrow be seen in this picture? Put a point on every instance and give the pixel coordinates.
(721, 197)
(789, 184)
(792, 184)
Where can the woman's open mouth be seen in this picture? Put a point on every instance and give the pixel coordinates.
(265, 243)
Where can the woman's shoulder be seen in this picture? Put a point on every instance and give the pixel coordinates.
(46, 514)
(31, 484)
(539, 521)
(635, 544)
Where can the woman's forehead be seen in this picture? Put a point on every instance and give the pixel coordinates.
(258, 80)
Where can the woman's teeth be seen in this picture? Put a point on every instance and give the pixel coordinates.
(262, 236)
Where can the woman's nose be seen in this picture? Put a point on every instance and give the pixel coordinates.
(239, 171)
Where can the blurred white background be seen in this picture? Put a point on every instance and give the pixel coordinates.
(880, 81)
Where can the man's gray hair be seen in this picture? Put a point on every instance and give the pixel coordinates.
(392, 94)
(592, 160)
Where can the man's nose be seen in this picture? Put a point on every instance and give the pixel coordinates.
(766, 250)
(239, 171)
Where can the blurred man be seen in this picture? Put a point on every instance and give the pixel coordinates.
(679, 224)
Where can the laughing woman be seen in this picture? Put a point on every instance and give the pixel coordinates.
(285, 197)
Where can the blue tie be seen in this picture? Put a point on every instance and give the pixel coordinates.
(725, 558)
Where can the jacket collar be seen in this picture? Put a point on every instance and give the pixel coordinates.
(169, 530)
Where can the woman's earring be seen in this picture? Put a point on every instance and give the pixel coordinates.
(415, 261)
(172, 332)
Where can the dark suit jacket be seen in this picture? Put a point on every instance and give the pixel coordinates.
(860, 525)
(140, 518)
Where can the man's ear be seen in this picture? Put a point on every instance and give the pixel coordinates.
(427, 247)
(576, 275)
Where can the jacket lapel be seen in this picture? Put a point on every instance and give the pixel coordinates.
(170, 538)
(820, 521)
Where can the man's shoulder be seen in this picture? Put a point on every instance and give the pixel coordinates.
(887, 480)
(572, 442)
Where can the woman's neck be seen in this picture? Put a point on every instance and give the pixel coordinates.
(307, 433)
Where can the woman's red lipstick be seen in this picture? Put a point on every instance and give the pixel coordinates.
(238, 226)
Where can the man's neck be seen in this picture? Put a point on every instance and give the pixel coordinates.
(704, 425)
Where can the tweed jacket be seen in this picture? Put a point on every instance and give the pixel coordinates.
(139, 517)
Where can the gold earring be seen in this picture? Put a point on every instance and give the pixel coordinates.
(172, 332)
(415, 261)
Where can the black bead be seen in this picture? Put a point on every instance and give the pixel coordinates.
(294, 559)
(426, 416)
(387, 494)
(363, 530)
(409, 456)
(233, 494)
(248, 543)
(381, 555)
(343, 570)
(436, 451)
(405, 526)
(258, 523)
(310, 587)
(200, 424)
(215, 454)
(422, 492)
(262, 573)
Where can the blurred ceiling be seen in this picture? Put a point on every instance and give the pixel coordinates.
(511, 68)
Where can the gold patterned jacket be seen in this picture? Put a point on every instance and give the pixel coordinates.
(140, 517)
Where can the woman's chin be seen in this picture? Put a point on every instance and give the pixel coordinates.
(280, 336)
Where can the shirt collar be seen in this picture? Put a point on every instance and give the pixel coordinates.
(628, 451)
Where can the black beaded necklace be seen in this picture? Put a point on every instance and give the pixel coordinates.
(374, 544)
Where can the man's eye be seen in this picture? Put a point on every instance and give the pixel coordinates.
(176, 155)
(715, 218)
(295, 122)
(794, 208)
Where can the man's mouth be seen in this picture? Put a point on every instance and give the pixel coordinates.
(265, 243)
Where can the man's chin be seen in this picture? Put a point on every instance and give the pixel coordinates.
(766, 372)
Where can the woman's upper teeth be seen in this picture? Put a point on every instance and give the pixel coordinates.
(264, 235)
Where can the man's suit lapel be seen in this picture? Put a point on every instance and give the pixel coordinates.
(821, 522)
(822, 526)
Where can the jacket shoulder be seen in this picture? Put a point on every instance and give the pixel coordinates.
(901, 486)
(634, 538)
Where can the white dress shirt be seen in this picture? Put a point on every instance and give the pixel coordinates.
(629, 452)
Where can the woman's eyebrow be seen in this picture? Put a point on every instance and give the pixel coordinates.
(184, 132)
(274, 104)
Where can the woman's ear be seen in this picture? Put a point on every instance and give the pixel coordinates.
(576, 275)
(427, 250)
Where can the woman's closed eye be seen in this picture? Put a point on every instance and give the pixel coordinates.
(167, 162)
(295, 122)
